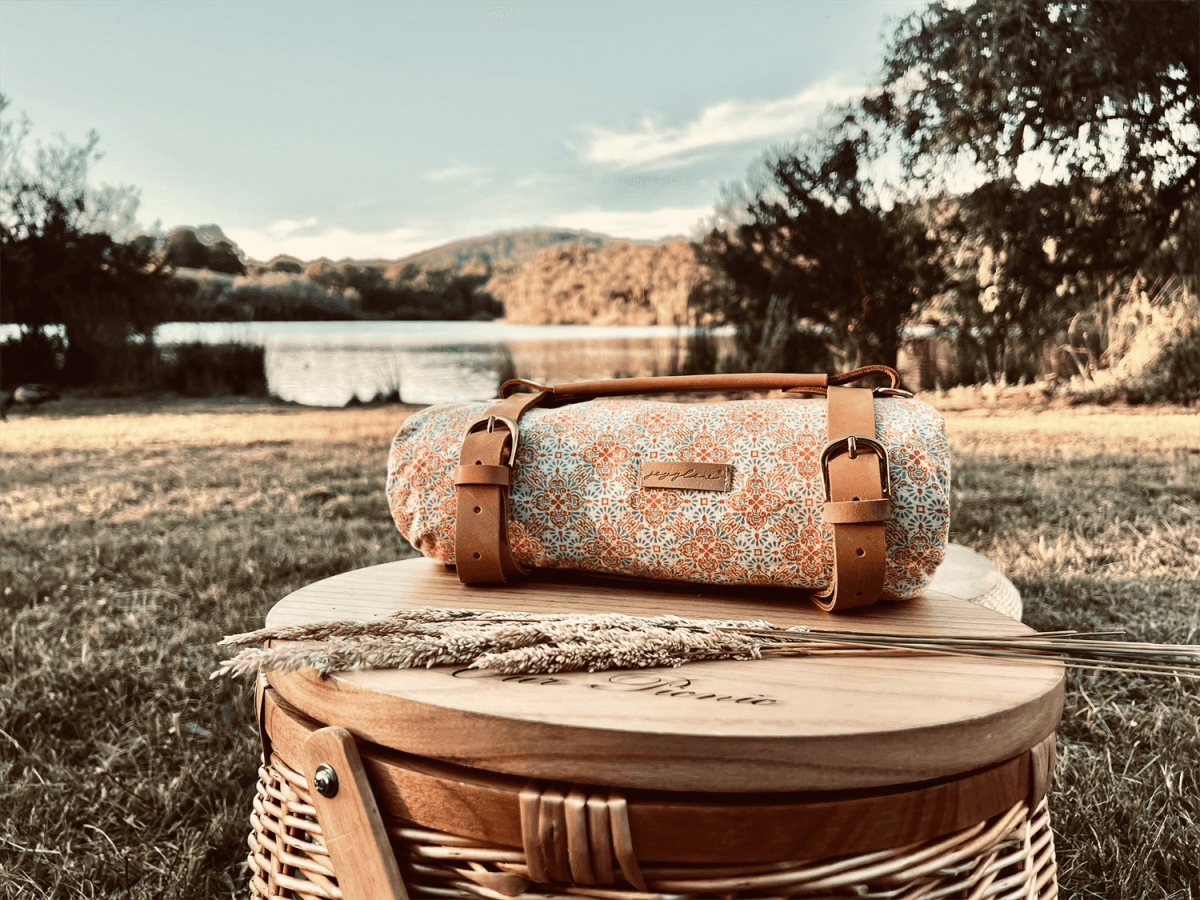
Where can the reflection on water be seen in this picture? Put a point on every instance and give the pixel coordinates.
(330, 363)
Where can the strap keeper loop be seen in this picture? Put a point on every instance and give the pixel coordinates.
(480, 474)
(853, 512)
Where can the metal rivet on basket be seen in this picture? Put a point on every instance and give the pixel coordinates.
(325, 780)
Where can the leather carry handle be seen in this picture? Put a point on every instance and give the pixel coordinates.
(700, 384)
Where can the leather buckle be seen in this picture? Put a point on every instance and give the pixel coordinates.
(892, 392)
(491, 421)
(851, 444)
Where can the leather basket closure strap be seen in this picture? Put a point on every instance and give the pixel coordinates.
(854, 469)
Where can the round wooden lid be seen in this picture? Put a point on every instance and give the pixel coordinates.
(768, 725)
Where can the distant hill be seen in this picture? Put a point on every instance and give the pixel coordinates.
(503, 250)
(509, 247)
(619, 283)
(533, 275)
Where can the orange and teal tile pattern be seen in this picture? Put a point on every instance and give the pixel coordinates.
(575, 502)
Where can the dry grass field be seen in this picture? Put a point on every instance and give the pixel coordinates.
(134, 534)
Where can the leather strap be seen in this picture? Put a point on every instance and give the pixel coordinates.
(260, 714)
(481, 549)
(857, 503)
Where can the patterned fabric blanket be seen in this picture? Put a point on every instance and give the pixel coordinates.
(577, 500)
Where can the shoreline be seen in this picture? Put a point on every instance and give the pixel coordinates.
(979, 400)
(1009, 424)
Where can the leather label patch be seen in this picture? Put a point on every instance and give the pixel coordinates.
(686, 476)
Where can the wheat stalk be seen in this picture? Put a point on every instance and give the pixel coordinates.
(515, 643)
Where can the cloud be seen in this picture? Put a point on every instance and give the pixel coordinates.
(288, 226)
(655, 145)
(335, 243)
(457, 171)
(650, 224)
(653, 179)
(503, 15)
(307, 242)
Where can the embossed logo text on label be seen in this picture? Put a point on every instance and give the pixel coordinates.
(691, 476)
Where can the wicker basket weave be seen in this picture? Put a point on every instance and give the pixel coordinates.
(1008, 856)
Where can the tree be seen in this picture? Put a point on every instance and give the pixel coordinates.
(1007, 296)
(184, 250)
(205, 247)
(814, 246)
(61, 262)
(1100, 98)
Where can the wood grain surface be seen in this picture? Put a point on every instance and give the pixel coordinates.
(687, 827)
(351, 825)
(770, 725)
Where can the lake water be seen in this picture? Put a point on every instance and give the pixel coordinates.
(330, 363)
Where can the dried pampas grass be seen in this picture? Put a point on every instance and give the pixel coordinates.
(534, 644)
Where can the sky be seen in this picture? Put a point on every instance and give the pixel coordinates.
(381, 129)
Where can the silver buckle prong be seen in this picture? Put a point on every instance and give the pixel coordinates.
(492, 419)
(851, 444)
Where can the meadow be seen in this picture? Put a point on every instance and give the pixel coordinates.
(134, 535)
